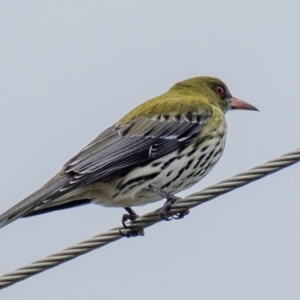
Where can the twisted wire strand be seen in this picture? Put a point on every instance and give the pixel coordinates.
(150, 219)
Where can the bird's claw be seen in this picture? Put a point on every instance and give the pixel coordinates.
(128, 217)
(163, 215)
(181, 214)
(171, 199)
(132, 233)
(131, 216)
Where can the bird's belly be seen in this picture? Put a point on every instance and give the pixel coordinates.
(172, 173)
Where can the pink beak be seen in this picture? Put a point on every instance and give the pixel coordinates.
(236, 103)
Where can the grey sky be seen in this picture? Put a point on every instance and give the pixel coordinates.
(69, 69)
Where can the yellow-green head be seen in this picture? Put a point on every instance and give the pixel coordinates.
(214, 90)
(196, 94)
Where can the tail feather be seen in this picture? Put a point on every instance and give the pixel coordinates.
(63, 206)
(28, 204)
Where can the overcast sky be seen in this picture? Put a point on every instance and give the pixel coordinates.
(70, 69)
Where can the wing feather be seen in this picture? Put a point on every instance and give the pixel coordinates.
(122, 147)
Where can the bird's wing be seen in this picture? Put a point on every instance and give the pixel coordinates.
(123, 147)
(119, 148)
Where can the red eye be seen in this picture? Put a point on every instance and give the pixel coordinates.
(219, 90)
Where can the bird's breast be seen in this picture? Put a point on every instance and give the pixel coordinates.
(196, 161)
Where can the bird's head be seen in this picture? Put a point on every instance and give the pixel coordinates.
(216, 92)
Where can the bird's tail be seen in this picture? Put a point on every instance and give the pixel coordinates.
(28, 204)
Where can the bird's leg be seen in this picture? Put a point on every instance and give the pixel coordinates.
(171, 198)
(131, 216)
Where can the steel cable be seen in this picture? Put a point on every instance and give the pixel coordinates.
(150, 219)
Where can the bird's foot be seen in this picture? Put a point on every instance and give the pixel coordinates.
(171, 199)
(132, 233)
(131, 216)
(181, 215)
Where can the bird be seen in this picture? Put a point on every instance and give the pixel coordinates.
(163, 146)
